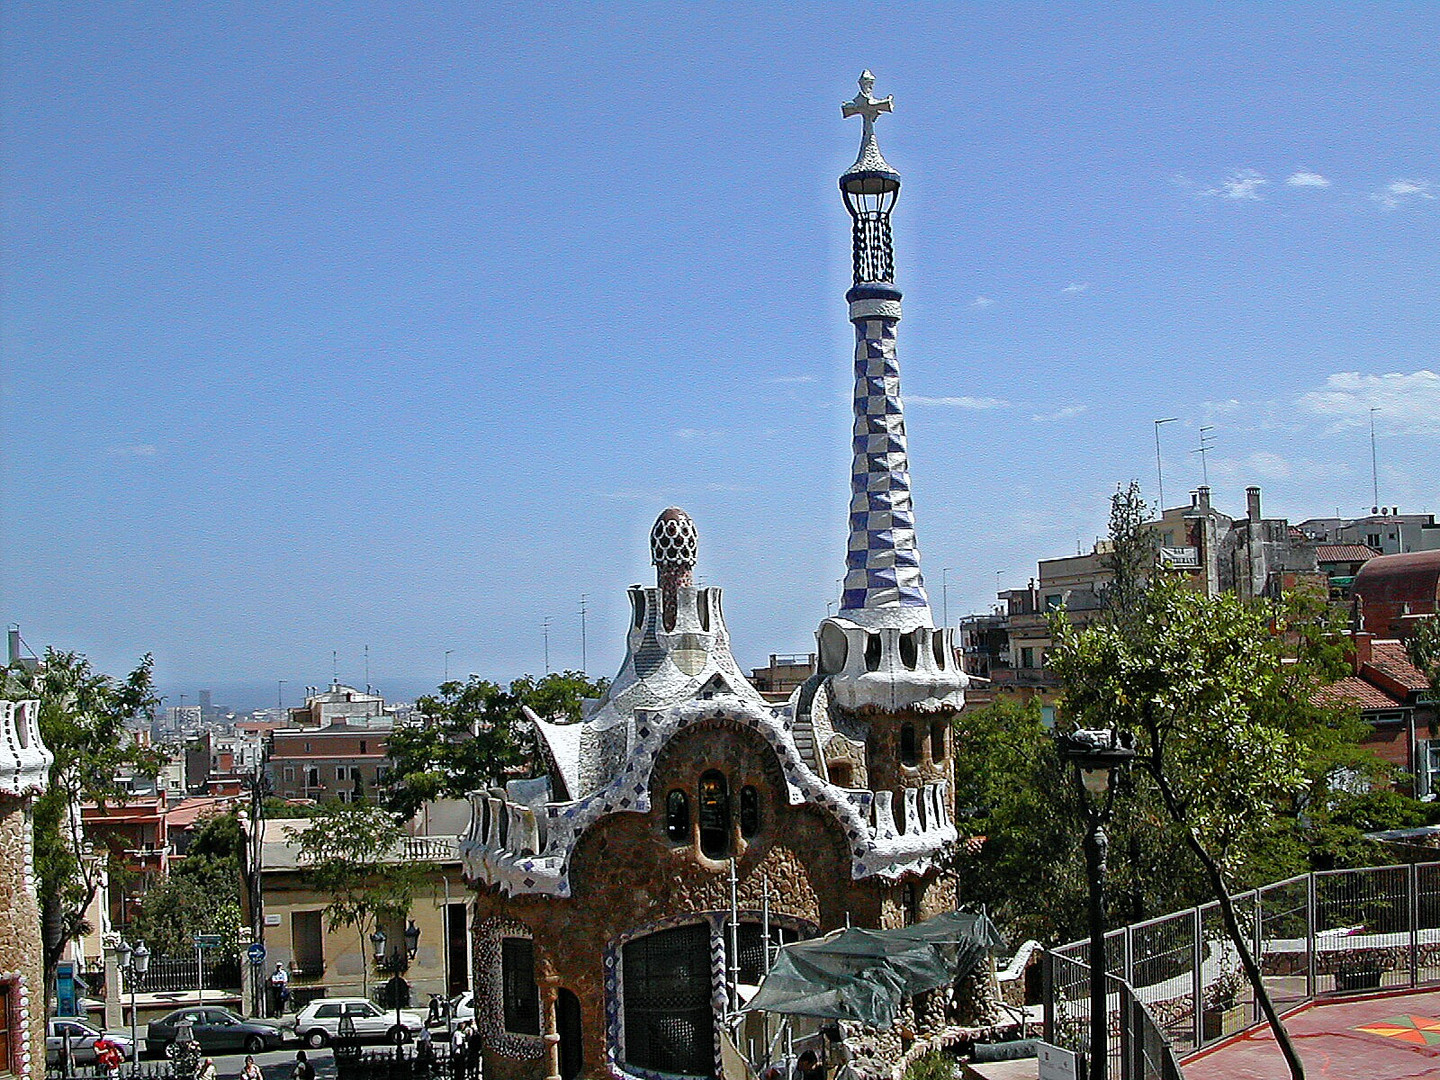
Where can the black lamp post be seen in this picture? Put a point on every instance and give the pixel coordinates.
(1098, 757)
(187, 1050)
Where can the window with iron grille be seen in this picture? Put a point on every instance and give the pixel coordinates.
(677, 816)
(517, 977)
(752, 957)
(669, 1021)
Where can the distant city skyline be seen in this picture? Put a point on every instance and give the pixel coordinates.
(327, 327)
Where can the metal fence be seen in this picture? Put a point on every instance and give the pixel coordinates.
(172, 974)
(141, 1070)
(1331, 932)
(1137, 1047)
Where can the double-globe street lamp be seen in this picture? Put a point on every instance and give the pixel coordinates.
(133, 962)
(1099, 756)
(398, 963)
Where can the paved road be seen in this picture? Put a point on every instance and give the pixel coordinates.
(277, 1064)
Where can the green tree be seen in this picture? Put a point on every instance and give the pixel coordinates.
(200, 895)
(354, 853)
(1217, 692)
(1423, 645)
(475, 734)
(83, 719)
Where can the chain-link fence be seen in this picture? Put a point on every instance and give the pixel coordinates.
(1331, 932)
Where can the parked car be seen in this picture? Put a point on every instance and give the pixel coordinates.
(462, 1006)
(82, 1040)
(319, 1022)
(216, 1030)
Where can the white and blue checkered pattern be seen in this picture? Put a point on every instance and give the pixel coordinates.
(883, 561)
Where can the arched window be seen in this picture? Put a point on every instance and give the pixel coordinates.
(909, 650)
(912, 903)
(909, 753)
(669, 1019)
(872, 652)
(677, 816)
(714, 815)
(937, 740)
(517, 986)
(749, 811)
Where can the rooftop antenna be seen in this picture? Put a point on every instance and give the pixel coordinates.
(1207, 443)
(545, 627)
(335, 667)
(584, 666)
(1374, 464)
(1160, 472)
(280, 693)
(367, 669)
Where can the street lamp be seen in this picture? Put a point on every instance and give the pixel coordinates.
(187, 1050)
(1098, 756)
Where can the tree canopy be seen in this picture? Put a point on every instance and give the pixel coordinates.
(200, 895)
(83, 719)
(474, 734)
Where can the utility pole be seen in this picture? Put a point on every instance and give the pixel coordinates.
(280, 693)
(447, 664)
(584, 665)
(1160, 472)
(945, 596)
(1374, 464)
(1207, 443)
(367, 669)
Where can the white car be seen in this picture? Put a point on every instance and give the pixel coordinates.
(82, 1041)
(462, 1006)
(319, 1022)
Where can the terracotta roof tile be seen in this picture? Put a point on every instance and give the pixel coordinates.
(1344, 552)
(1389, 657)
(1353, 690)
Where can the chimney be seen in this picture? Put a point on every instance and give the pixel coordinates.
(1363, 652)
(1203, 494)
(1252, 503)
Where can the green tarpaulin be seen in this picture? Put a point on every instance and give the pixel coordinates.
(862, 975)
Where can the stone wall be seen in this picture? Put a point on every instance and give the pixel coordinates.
(20, 945)
(629, 877)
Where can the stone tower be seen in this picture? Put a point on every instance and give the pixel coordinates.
(888, 675)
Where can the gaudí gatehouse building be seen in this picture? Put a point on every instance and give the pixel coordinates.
(603, 890)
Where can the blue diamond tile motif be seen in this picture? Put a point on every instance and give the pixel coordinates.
(883, 560)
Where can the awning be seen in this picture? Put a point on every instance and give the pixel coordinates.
(862, 975)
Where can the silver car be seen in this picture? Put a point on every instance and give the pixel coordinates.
(82, 1041)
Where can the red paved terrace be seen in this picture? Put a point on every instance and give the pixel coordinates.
(1385, 1037)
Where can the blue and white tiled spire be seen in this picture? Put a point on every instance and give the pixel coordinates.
(883, 584)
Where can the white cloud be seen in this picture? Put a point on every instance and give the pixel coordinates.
(1406, 404)
(1062, 414)
(982, 302)
(1400, 191)
(963, 402)
(1076, 287)
(1307, 179)
(141, 450)
(1241, 184)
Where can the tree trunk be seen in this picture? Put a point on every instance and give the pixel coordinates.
(1232, 927)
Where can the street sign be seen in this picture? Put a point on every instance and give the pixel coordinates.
(207, 941)
(256, 953)
(1057, 1063)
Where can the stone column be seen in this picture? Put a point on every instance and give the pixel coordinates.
(549, 1024)
(114, 1010)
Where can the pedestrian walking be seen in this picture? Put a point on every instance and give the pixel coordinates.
(207, 1070)
(108, 1056)
(303, 1069)
(251, 1071)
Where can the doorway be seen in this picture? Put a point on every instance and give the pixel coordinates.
(567, 1026)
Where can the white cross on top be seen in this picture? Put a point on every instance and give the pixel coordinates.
(866, 105)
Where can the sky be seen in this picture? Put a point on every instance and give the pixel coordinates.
(335, 325)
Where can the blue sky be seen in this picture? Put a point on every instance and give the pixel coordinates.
(329, 325)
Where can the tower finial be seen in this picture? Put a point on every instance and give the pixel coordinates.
(866, 105)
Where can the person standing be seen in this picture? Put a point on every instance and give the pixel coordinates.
(251, 1071)
(279, 990)
(303, 1069)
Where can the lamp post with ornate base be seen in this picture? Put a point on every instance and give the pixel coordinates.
(1098, 756)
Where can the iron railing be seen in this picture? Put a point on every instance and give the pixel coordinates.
(172, 974)
(1327, 933)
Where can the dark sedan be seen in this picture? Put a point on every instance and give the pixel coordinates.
(216, 1030)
